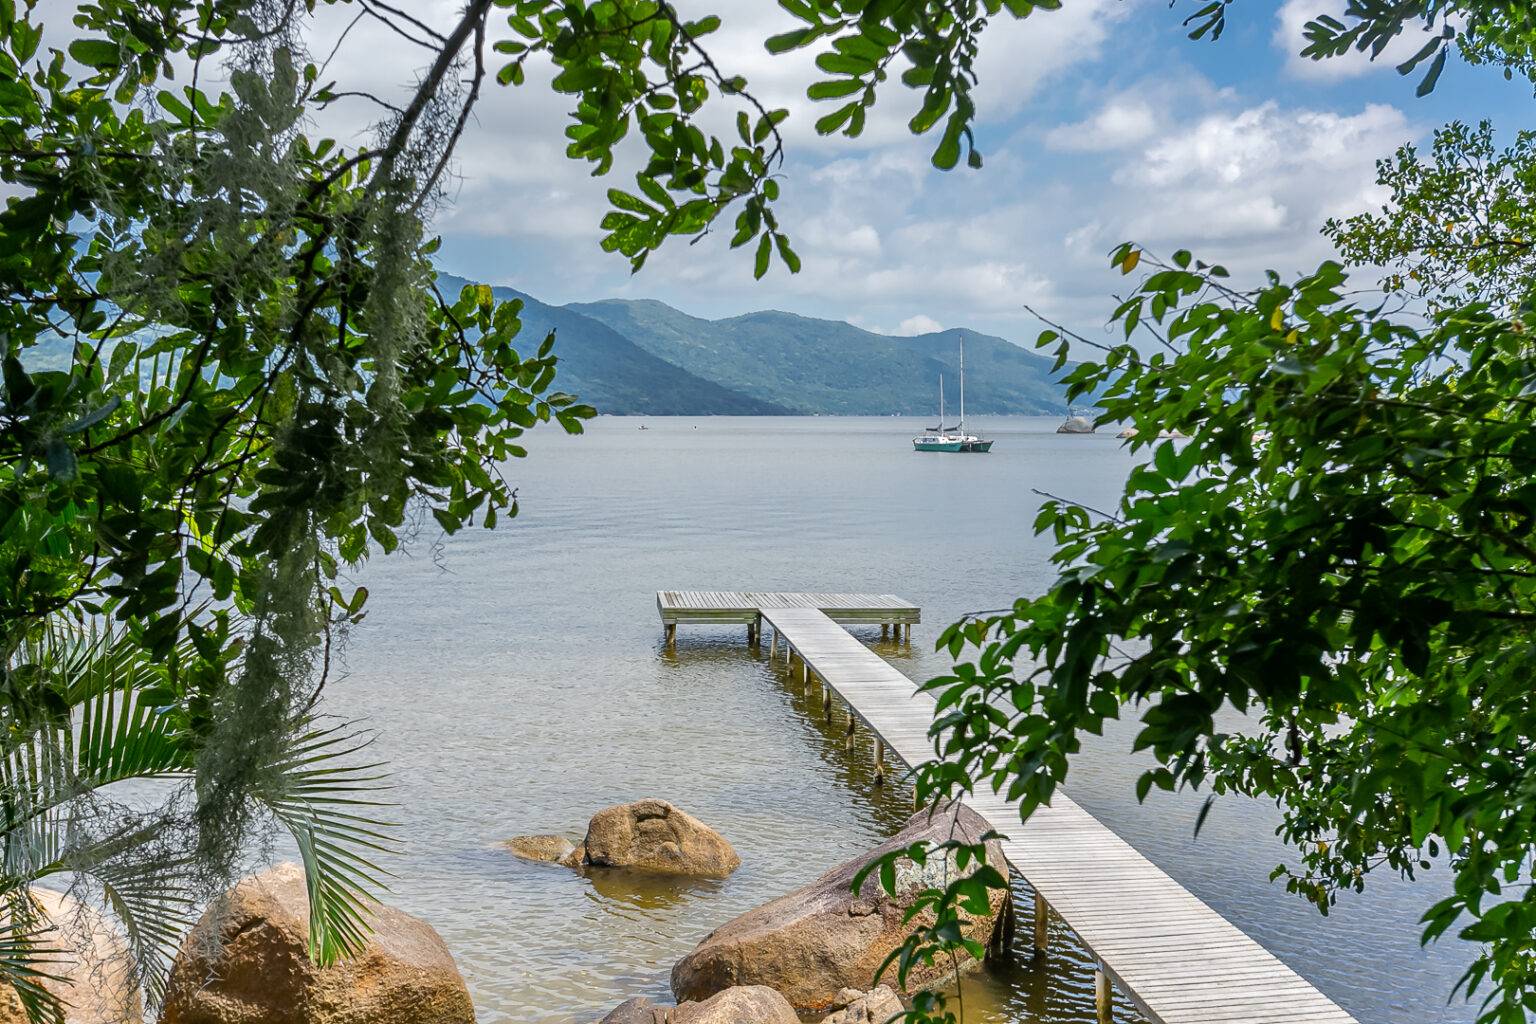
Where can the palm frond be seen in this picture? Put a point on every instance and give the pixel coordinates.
(23, 956)
(319, 804)
(156, 910)
(56, 817)
(115, 725)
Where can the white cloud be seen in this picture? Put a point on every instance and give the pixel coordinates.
(1256, 173)
(1119, 123)
(912, 326)
(1018, 55)
(1163, 156)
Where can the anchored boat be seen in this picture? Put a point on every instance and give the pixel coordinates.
(940, 439)
(937, 439)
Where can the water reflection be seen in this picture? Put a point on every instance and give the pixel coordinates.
(625, 888)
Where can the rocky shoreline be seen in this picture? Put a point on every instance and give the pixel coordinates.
(812, 954)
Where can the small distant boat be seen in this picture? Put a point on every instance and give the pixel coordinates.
(939, 438)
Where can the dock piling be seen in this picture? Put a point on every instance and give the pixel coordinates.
(1101, 1000)
(1042, 912)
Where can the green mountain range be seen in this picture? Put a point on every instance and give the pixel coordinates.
(642, 357)
(834, 368)
(612, 373)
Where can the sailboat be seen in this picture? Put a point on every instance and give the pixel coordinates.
(939, 439)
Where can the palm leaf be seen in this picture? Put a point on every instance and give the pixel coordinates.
(56, 818)
(22, 958)
(319, 804)
(156, 909)
(115, 729)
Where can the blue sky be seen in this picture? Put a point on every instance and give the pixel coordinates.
(1100, 123)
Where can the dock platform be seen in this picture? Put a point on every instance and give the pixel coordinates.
(731, 606)
(1166, 951)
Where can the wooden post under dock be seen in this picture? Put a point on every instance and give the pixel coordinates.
(1172, 957)
(1042, 914)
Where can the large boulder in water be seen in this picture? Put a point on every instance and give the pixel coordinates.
(812, 943)
(247, 962)
(744, 1004)
(652, 835)
(98, 984)
(1076, 425)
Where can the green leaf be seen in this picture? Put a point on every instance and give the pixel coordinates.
(833, 89)
(790, 40)
(1427, 86)
(96, 53)
(96, 416)
(948, 152)
(830, 123)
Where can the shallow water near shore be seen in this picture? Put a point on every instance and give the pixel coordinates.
(518, 682)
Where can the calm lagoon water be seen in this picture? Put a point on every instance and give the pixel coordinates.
(518, 682)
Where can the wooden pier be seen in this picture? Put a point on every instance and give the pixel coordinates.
(1173, 957)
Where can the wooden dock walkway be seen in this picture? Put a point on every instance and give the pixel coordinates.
(1170, 954)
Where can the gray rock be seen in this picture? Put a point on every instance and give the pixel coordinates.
(639, 1010)
(874, 1007)
(97, 985)
(745, 1004)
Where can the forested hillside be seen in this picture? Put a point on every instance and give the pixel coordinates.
(834, 368)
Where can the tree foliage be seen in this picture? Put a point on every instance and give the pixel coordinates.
(1458, 228)
(1343, 552)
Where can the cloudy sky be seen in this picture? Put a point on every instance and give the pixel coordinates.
(1100, 123)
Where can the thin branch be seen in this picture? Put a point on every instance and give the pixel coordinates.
(473, 20)
(458, 128)
(363, 95)
(440, 39)
(1078, 504)
(1068, 332)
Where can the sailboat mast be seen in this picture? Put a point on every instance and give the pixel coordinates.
(962, 384)
(941, 403)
